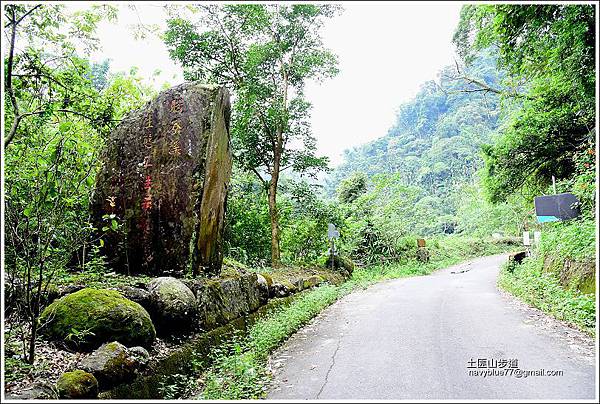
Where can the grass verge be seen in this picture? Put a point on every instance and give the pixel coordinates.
(538, 284)
(543, 290)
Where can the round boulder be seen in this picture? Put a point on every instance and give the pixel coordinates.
(140, 355)
(113, 364)
(312, 281)
(342, 264)
(77, 385)
(282, 288)
(173, 305)
(90, 317)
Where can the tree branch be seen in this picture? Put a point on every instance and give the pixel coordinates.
(255, 171)
(15, 23)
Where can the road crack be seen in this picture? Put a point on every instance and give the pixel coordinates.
(330, 366)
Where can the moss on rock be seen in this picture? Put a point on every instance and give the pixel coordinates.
(312, 281)
(172, 305)
(77, 385)
(342, 264)
(223, 299)
(90, 317)
(573, 275)
(111, 364)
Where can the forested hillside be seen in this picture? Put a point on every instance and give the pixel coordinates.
(436, 140)
(434, 151)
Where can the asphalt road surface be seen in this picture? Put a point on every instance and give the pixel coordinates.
(425, 337)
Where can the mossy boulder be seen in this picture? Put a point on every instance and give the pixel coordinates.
(113, 364)
(342, 264)
(140, 355)
(172, 305)
(282, 288)
(268, 278)
(298, 282)
(312, 281)
(165, 175)
(90, 317)
(77, 384)
(221, 300)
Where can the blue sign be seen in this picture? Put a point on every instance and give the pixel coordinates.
(553, 208)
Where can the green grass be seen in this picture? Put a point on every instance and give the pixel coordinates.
(238, 369)
(543, 290)
(574, 240)
(16, 369)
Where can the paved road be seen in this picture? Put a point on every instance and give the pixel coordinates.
(414, 338)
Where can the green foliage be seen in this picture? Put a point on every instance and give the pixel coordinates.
(534, 41)
(239, 369)
(583, 183)
(303, 214)
(58, 109)
(436, 139)
(550, 50)
(384, 223)
(15, 369)
(352, 187)
(550, 290)
(304, 222)
(539, 142)
(178, 385)
(476, 216)
(238, 376)
(265, 54)
(422, 176)
(574, 239)
(543, 290)
(247, 230)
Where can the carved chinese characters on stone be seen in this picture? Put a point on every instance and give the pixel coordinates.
(165, 177)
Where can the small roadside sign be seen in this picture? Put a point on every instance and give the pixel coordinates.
(526, 239)
(332, 232)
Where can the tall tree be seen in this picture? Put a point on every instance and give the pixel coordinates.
(58, 107)
(48, 36)
(265, 54)
(549, 50)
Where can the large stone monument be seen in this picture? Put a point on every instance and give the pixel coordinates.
(160, 196)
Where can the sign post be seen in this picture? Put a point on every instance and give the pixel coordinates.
(332, 234)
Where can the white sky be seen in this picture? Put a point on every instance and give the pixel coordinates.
(386, 51)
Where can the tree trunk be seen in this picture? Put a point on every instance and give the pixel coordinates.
(277, 154)
(274, 214)
(32, 338)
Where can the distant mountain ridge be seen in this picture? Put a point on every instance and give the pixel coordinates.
(436, 140)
